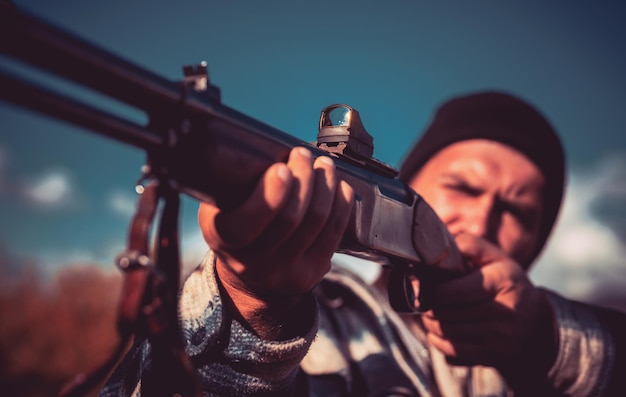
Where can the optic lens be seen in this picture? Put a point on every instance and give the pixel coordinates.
(337, 117)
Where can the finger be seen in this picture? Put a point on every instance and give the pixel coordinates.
(486, 331)
(476, 312)
(238, 227)
(492, 270)
(462, 292)
(329, 237)
(289, 218)
(301, 164)
(442, 344)
(461, 353)
(322, 244)
(320, 206)
(477, 251)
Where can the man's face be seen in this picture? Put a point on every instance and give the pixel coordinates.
(487, 189)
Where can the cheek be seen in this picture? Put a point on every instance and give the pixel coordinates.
(443, 204)
(438, 197)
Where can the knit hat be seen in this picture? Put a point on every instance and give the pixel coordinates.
(506, 119)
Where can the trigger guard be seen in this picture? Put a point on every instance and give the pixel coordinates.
(402, 295)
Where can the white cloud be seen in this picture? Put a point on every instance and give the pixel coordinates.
(53, 189)
(584, 259)
(123, 203)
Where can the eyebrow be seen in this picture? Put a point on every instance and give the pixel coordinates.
(459, 179)
(529, 208)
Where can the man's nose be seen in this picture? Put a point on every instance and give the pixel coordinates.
(481, 220)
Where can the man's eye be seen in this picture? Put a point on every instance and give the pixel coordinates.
(524, 217)
(463, 188)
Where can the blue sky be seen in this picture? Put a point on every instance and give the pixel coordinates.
(66, 196)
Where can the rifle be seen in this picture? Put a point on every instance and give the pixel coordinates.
(190, 129)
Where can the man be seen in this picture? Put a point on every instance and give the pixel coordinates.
(263, 316)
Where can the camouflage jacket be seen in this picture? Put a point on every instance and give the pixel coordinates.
(356, 346)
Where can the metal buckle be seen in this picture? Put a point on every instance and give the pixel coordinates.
(131, 260)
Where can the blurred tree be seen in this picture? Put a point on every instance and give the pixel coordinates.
(50, 331)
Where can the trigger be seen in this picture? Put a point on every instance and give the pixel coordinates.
(403, 289)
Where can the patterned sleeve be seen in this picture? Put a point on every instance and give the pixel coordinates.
(230, 359)
(587, 354)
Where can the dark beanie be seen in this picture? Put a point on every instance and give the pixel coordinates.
(503, 118)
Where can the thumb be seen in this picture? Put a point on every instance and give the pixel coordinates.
(477, 251)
